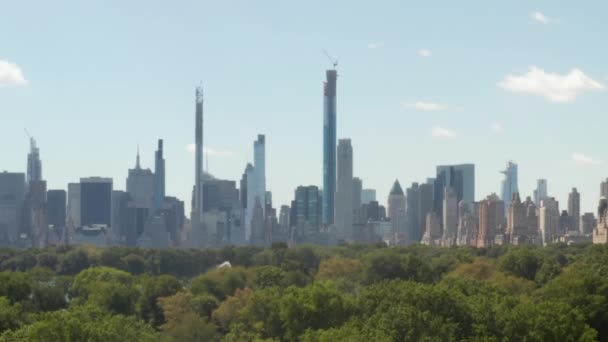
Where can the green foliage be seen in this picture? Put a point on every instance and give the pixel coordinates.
(306, 293)
(82, 323)
(108, 288)
(220, 282)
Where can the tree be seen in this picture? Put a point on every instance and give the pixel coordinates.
(82, 323)
(269, 276)
(183, 323)
(16, 286)
(11, 315)
(521, 262)
(220, 282)
(73, 262)
(111, 289)
(152, 289)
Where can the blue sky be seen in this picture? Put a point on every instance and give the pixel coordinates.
(421, 83)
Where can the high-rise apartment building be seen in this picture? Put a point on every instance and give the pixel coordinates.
(329, 146)
(509, 184)
(74, 220)
(344, 191)
(574, 209)
(491, 217)
(34, 165)
(604, 189)
(56, 208)
(517, 224)
(548, 221)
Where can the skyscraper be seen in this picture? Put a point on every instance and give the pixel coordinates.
(450, 216)
(344, 191)
(517, 223)
(307, 209)
(491, 217)
(604, 189)
(368, 196)
(74, 205)
(56, 208)
(425, 206)
(509, 184)
(541, 191)
(329, 146)
(96, 201)
(460, 177)
(197, 210)
(574, 209)
(12, 196)
(412, 210)
(140, 185)
(259, 169)
(34, 165)
(159, 176)
(548, 220)
(357, 192)
(396, 213)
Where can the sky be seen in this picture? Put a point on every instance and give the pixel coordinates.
(421, 83)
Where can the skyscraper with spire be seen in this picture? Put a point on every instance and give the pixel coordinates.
(34, 165)
(329, 146)
(509, 184)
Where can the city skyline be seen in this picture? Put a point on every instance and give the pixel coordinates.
(435, 125)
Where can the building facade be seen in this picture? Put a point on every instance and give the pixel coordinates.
(329, 146)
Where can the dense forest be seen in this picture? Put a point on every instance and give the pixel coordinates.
(345, 293)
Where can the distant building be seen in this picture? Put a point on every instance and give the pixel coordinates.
(159, 177)
(517, 223)
(491, 218)
(600, 233)
(306, 210)
(344, 191)
(604, 189)
(587, 223)
(432, 234)
(96, 202)
(425, 206)
(509, 184)
(396, 213)
(574, 209)
(12, 196)
(541, 191)
(141, 185)
(357, 192)
(56, 212)
(450, 216)
(548, 221)
(329, 146)
(467, 224)
(368, 195)
(460, 177)
(73, 206)
(412, 210)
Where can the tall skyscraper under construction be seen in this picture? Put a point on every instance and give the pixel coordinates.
(197, 207)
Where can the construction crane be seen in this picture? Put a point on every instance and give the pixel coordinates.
(331, 60)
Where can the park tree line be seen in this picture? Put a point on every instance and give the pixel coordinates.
(307, 293)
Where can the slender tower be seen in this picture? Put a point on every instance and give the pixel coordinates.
(198, 172)
(159, 176)
(329, 146)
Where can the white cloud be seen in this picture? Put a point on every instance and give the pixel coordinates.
(426, 106)
(443, 133)
(211, 152)
(540, 17)
(554, 87)
(496, 127)
(375, 45)
(424, 53)
(11, 74)
(583, 159)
